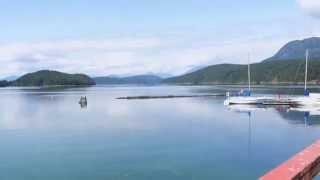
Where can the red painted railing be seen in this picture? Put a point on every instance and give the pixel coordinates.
(303, 166)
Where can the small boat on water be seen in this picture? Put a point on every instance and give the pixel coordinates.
(246, 100)
(309, 99)
(244, 96)
(312, 99)
(83, 101)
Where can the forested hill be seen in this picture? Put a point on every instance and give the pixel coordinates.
(261, 73)
(51, 78)
(4, 83)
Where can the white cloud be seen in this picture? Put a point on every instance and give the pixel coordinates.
(126, 56)
(311, 7)
(164, 55)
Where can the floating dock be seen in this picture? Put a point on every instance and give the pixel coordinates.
(259, 101)
(279, 102)
(171, 96)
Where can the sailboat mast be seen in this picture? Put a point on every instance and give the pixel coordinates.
(249, 78)
(306, 70)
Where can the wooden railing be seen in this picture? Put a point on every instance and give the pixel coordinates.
(303, 166)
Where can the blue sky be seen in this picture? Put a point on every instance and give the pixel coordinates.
(102, 37)
(41, 20)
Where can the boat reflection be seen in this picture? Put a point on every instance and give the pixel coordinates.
(312, 110)
(83, 105)
(308, 115)
(300, 115)
(246, 108)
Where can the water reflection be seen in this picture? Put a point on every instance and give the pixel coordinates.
(151, 139)
(309, 116)
(247, 110)
(83, 105)
(300, 115)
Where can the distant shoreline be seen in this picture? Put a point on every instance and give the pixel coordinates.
(158, 85)
(311, 83)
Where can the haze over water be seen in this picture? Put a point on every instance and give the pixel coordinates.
(45, 134)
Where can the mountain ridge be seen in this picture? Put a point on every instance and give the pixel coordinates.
(273, 72)
(283, 67)
(296, 50)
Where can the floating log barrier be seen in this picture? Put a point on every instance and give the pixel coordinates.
(170, 96)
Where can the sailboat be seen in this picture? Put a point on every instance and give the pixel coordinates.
(309, 99)
(245, 96)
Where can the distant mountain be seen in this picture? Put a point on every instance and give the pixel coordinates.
(297, 49)
(10, 78)
(286, 66)
(139, 79)
(161, 75)
(51, 78)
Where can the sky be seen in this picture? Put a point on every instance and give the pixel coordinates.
(130, 37)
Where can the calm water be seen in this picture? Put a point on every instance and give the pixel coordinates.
(45, 134)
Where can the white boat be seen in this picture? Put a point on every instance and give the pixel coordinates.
(313, 99)
(309, 99)
(245, 96)
(246, 100)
